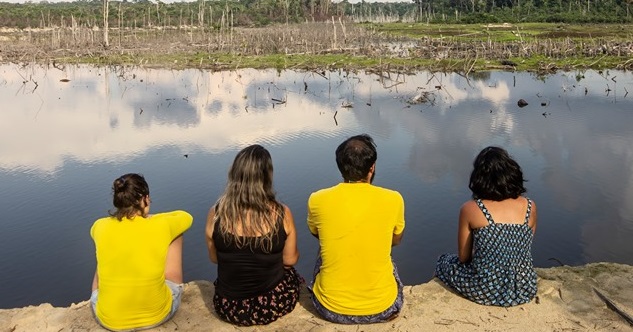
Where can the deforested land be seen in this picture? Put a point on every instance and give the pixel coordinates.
(219, 38)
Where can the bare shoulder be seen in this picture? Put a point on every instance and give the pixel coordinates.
(532, 202)
(211, 215)
(471, 214)
(288, 219)
(533, 213)
(287, 214)
(469, 207)
(532, 206)
(211, 220)
(286, 208)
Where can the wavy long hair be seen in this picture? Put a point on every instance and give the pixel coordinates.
(249, 196)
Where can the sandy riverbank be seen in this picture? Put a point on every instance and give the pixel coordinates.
(566, 301)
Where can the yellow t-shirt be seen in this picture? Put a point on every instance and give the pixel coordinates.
(131, 256)
(355, 223)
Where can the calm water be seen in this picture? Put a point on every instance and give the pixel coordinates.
(63, 143)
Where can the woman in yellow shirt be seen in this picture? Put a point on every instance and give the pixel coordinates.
(138, 282)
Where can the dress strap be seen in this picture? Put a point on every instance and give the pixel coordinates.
(485, 211)
(529, 211)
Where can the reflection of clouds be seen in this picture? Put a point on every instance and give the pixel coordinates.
(622, 147)
(579, 154)
(99, 116)
(581, 163)
(445, 136)
(607, 200)
(581, 148)
(497, 94)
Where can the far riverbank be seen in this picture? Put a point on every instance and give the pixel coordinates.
(319, 46)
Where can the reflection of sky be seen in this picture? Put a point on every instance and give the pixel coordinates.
(61, 141)
(188, 109)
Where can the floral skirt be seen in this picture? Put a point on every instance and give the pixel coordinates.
(262, 309)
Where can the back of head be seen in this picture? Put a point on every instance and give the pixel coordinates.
(496, 176)
(250, 181)
(355, 156)
(249, 195)
(127, 192)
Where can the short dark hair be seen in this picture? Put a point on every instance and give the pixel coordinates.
(496, 176)
(355, 156)
(127, 192)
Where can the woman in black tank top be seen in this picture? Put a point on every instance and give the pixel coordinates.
(252, 238)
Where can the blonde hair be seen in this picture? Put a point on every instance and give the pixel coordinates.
(249, 196)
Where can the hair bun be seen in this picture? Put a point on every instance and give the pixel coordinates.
(119, 184)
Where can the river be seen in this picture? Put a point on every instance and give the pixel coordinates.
(66, 134)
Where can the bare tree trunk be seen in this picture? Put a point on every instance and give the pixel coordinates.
(201, 13)
(106, 28)
(334, 28)
(120, 25)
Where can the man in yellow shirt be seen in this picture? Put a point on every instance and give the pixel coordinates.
(357, 223)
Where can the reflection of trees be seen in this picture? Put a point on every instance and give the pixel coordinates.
(479, 75)
(579, 163)
(177, 111)
(580, 167)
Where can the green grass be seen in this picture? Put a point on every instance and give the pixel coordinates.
(466, 35)
(508, 33)
(316, 62)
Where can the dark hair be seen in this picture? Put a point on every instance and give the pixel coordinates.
(355, 156)
(127, 192)
(496, 176)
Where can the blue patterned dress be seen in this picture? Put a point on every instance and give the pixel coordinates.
(500, 272)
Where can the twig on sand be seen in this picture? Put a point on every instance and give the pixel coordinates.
(444, 322)
(556, 260)
(466, 322)
(611, 305)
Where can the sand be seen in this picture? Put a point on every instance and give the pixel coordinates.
(566, 301)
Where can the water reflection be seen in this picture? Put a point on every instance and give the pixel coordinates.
(62, 143)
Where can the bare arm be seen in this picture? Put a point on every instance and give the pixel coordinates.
(533, 217)
(95, 282)
(311, 228)
(464, 234)
(213, 254)
(290, 252)
(395, 240)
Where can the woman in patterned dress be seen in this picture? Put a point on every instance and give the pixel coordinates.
(494, 261)
(252, 238)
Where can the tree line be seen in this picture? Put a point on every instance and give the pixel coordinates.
(216, 14)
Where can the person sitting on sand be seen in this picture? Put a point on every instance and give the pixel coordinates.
(357, 223)
(252, 238)
(494, 261)
(138, 282)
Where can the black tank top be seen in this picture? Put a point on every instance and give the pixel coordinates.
(248, 272)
